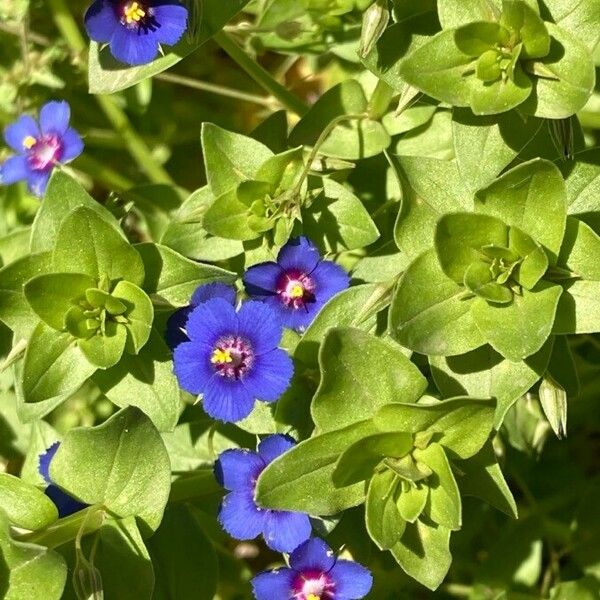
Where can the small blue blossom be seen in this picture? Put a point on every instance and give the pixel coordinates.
(65, 504)
(40, 147)
(232, 358)
(134, 30)
(238, 471)
(175, 333)
(314, 574)
(298, 284)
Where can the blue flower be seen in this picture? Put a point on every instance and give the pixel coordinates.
(65, 504)
(314, 574)
(237, 471)
(232, 358)
(298, 284)
(175, 333)
(134, 30)
(40, 147)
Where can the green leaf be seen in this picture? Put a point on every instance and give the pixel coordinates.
(359, 374)
(145, 380)
(580, 251)
(87, 244)
(139, 314)
(582, 19)
(485, 373)
(454, 13)
(174, 277)
(586, 588)
(582, 178)
(130, 477)
(107, 75)
(461, 425)
(524, 193)
(28, 571)
(424, 553)
(54, 365)
(481, 476)
(63, 195)
(25, 505)
(412, 500)
(579, 308)
(384, 523)
(519, 329)
(228, 217)
(528, 25)
(476, 38)
(230, 158)
(52, 295)
(562, 366)
(104, 350)
(301, 479)
(429, 313)
(358, 462)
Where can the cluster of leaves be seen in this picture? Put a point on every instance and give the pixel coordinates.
(468, 218)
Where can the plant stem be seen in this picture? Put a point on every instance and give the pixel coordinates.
(380, 100)
(137, 147)
(261, 75)
(103, 173)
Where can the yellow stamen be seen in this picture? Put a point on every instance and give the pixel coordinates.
(220, 357)
(313, 597)
(297, 291)
(29, 142)
(133, 13)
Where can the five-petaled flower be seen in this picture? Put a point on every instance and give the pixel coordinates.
(40, 147)
(314, 574)
(232, 358)
(298, 284)
(238, 471)
(176, 333)
(135, 30)
(66, 505)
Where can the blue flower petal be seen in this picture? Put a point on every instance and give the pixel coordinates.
(274, 585)
(330, 279)
(209, 291)
(227, 400)
(66, 505)
(261, 279)
(274, 446)
(238, 469)
(240, 517)
(269, 376)
(44, 462)
(314, 554)
(260, 325)
(299, 253)
(175, 331)
(72, 146)
(16, 132)
(352, 580)
(211, 320)
(101, 21)
(191, 364)
(133, 48)
(173, 22)
(285, 531)
(13, 169)
(55, 117)
(37, 182)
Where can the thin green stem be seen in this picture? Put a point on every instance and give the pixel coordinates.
(103, 173)
(261, 75)
(380, 100)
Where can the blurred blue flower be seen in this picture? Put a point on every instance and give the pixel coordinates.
(134, 30)
(237, 471)
(65, 504)
(232, 358)
(314, 574)
(298, 284)
(175, 333)
(40, 147)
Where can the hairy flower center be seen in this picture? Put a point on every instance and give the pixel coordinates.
(43, 152)
(295, 289)
(232, 357)
(313, 585)
(138, 16)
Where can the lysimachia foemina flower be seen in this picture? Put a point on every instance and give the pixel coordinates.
(40, 146)
(238, 471)
(135, 30)
(233, 358)
(298, 284)
(66, 505)
(175, 333)
(314, 574)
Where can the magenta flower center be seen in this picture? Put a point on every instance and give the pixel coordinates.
(137, 15)
(313, 585)
(295, 289)
(43, 152)
(232, 357)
